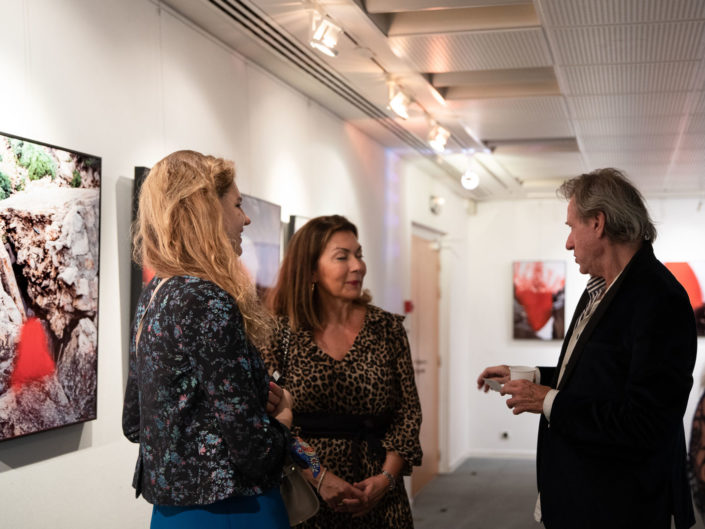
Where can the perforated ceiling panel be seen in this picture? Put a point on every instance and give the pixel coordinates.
(602, 12)
(696, 125)
(700, 105)
(633, 125)
(629, 43)
(549, 108)
(481, 50)
(630, 78)
(628, 105)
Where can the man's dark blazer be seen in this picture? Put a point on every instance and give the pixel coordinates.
(613, 455)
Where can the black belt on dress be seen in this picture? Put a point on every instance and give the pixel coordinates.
(368, 428)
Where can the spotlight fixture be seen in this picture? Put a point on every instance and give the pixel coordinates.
(324, 35)
(438, 137)
(398, 101)
(470, 180)
(435, 204)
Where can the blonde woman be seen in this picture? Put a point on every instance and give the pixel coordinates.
(212, 430)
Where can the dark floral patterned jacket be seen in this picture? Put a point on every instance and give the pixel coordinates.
(195, 400)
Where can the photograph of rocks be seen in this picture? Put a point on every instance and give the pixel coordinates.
(139, 276)
(49, 260)
(261, 242)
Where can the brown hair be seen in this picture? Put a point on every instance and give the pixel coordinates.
(179, 230)
(610, 192)
(293, 295)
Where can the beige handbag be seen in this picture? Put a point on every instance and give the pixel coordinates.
(300, 499)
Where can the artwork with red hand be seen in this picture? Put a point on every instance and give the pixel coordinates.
(692, 276)
(538, 295)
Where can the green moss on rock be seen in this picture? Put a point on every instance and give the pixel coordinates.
(76, 180)
(34, 158)
(5, 186)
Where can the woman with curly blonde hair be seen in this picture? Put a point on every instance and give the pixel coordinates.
(212, 429)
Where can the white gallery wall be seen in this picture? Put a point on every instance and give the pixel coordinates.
(450, 227)
(122, 80)
(507, 231)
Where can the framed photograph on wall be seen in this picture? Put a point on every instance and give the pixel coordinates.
(261, 242)
(539, 300)
(49, 259)
(295, 223)
(692, 276)
(139, 276)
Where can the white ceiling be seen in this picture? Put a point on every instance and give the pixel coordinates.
(553, 87)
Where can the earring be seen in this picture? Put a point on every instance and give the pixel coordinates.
(313, 287)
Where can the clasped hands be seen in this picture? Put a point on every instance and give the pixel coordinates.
(357, 498)
(526, 396)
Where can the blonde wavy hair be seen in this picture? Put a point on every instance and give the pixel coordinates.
(179, 230)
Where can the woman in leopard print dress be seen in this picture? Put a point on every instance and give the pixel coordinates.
(696, 457)
(348, 366)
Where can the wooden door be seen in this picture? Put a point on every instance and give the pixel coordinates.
(425, 293)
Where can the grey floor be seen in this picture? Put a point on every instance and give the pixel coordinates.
(493, 493)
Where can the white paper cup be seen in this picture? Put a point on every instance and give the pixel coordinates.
(521, 373)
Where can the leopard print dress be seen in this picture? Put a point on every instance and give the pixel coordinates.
(375, 377)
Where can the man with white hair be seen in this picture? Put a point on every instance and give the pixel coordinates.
(611, 446)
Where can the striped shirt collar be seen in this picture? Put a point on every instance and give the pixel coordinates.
(595, 286)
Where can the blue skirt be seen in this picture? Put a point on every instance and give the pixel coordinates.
(264, 511)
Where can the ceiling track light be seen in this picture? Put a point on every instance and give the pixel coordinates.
(470, 180)
(324, 34)
(398, 101)
(438, 137)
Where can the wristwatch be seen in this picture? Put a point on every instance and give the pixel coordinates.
(390, 478)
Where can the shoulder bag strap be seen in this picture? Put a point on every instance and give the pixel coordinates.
(285, 353)
(139, 327)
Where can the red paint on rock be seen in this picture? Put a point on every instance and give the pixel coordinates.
(33, 358)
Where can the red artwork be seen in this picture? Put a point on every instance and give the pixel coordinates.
(539, 291)
(49, 269)
(33, 359)
(147, 275)
(692, 276)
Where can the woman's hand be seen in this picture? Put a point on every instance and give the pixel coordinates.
(374, 487)
(279, 404)
(273, 397)
(340, 495)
